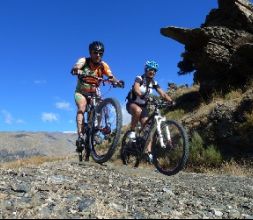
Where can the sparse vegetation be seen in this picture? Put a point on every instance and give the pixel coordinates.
(176, 114)
(248, 124)
(37, 160)
(234, 168)
(234, 94)
(203, 156)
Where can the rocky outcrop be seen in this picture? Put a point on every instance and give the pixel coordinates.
(220, 52)
(68, 190)
(225, 122)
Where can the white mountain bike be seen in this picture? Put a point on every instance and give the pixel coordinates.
(170, 148)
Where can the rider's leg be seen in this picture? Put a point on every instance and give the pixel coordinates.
(81, 103)
(144, 118)
(135, 111)
(143, 121)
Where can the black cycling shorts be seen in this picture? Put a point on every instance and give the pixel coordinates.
(144, 113)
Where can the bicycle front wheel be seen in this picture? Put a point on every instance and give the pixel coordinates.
(172, 157)
(105, 134)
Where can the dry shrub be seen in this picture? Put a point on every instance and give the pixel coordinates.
(234, 94)
(36, 161)
(236, 169)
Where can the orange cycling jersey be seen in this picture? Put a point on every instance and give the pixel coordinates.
(86, 82)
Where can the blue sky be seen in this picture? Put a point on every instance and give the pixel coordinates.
(40, 41)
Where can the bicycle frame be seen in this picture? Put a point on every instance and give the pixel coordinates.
(98, 126)
(156, 120)
(170, 149)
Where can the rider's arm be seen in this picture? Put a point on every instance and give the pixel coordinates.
(77, 68)
(137, 89)
(107, 71)
(164, 95)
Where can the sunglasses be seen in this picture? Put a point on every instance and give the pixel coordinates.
(151, 69)
(98, 53)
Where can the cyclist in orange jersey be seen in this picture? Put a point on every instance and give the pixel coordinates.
(87, 69)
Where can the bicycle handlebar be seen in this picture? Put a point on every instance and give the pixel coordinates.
(160, 103)
(115, 84)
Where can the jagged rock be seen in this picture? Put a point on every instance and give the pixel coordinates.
(221, 50)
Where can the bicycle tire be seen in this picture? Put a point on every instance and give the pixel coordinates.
(115, 135)
(128, 152)
(176, 150)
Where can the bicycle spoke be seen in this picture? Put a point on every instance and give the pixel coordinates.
(171, 158)
(106, 131)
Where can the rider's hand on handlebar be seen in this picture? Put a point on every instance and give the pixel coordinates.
(118, 83)
(171, 103)
(76, 71)
(121, 83)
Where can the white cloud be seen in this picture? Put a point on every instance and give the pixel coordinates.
(63, 105)
(49, 117)
(20, 121)
(8, 119)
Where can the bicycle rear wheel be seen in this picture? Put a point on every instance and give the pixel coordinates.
(129, 152)
(172, 158)
(105, 133)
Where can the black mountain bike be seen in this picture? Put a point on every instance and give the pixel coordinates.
(170, 147)
(103, 127)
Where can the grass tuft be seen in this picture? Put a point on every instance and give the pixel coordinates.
(32, 161)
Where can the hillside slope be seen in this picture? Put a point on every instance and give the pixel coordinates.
(225, 121)
(16, 145)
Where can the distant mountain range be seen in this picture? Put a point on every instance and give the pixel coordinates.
(17, 145)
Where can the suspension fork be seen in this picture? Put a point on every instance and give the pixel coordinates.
(159, 119)
(106, 112)
(98, 117)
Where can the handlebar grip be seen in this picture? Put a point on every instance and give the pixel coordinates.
(120, 84)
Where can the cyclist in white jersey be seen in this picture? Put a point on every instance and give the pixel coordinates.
(142, 88)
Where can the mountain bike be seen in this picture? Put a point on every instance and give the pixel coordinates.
(103, 127)
(170, 148)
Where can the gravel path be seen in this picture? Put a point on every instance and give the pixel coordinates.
(67, 189)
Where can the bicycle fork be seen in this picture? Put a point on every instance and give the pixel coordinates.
(159, 119)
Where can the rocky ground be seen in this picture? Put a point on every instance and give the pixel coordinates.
(68, 189)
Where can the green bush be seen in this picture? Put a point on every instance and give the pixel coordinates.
(213, 156)
(200, 155)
